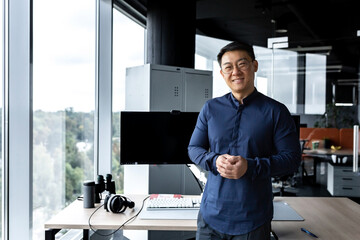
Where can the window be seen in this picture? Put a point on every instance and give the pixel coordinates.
(128, 51)
(277, 75)
(207, 49)
(63, 104)
(315, 82)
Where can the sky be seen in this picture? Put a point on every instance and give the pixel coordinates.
(64, 54)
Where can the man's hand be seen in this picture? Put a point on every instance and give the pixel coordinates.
(232, 167)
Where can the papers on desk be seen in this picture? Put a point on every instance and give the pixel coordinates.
(283, 212)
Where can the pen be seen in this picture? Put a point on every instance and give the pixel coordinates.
(308, 232)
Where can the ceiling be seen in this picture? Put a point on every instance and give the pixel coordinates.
(309, 25)
(333, 24)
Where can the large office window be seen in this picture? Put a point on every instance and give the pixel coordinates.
(128, 51)
(63, 104)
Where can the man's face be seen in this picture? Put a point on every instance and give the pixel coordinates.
(238, 71)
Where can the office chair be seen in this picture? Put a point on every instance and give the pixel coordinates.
(289, 180)
(284, 182)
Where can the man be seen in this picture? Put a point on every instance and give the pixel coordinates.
(243, 139)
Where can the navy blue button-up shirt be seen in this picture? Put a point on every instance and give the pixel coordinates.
(260, 130)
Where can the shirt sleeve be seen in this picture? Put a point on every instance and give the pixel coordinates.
(198, 149)
(287, 155)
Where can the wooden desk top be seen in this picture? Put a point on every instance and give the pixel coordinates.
(323, 151)
(75, 216)
(328, 218)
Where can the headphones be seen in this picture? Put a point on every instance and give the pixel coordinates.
(117, 203)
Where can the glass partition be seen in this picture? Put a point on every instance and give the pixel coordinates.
(278, 76)
(315, 82)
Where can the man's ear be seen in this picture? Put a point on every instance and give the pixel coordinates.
(222, 74)
(256, 64)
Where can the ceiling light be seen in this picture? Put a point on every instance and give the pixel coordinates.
(278, 42)
(344, 104)
(358, 33)
(281, 30)
(311, 49)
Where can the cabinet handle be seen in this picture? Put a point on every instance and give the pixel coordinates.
(347, 170)
(346, 188)
(347, 179)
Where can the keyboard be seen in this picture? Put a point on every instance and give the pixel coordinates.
(182, 203)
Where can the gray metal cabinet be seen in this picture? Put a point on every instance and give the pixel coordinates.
(152, 87)
(342, 181)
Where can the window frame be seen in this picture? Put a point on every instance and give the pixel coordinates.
(17, 120)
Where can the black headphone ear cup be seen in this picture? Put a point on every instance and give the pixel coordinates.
(117, 204)
(106, 201)
(108, 204)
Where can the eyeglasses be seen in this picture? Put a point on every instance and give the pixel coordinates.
(241, 65)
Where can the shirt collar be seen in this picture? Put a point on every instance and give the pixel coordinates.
(246, 100)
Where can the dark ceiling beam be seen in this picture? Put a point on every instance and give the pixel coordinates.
(171, 33)
(303, 22)
(208, 27)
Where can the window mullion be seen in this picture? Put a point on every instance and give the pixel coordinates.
(103, 109)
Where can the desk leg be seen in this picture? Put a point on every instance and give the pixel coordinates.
(316, 161)
(50, 234)
(86, 234)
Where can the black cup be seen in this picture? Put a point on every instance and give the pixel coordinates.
(89, 194)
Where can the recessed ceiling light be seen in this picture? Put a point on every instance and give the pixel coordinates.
(358, 33)
(281, 30)
(344, 104)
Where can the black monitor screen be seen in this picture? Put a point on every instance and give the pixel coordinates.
(156, 137)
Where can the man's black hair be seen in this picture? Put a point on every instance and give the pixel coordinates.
(236, 46)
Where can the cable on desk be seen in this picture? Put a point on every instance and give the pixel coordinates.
(127, 221)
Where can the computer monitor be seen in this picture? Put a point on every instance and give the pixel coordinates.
(156, 137)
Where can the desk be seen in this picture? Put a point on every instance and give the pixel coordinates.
(328, 218)
(328, 152)
(324, 155)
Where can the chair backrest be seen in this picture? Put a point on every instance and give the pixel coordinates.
(302, 144)
(346, 138)
(313, 134)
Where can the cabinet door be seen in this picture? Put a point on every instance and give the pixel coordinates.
(166, 90)
(198, 89)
